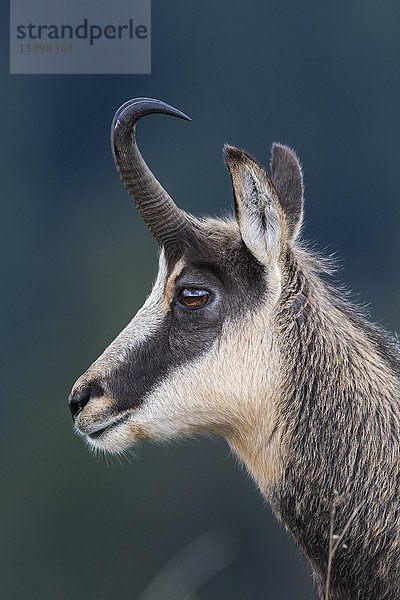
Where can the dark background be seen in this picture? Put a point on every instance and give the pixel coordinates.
(78, 262)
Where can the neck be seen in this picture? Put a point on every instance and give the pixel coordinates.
(336, 434)
(342, 427)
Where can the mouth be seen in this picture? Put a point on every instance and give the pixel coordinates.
(95, 435)
(101, 431)
(113, 435)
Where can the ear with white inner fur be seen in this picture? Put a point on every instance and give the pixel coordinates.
(258, 211)
(287, 178)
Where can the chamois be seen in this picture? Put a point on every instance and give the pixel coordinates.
(243, 336)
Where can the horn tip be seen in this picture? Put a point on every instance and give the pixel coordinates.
(132, 110)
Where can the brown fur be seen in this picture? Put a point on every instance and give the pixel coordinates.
(340, 416)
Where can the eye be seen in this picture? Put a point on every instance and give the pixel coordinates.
(193, 298)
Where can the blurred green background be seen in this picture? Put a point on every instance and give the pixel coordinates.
(78, 262)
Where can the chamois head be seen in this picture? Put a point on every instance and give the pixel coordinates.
(201, 354)
(241, 337)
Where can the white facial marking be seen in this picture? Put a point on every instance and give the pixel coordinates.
(223, 391)
(144, 324)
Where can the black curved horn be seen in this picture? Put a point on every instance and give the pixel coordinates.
(164, 219)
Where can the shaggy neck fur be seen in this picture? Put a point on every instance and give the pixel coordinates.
(337, 423)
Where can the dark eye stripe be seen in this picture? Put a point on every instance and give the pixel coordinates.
(193, 298)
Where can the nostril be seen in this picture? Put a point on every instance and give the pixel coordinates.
(79, 399)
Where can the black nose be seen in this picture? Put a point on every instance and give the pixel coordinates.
(78, 400)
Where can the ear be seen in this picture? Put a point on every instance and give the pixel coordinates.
(258, 211)
(287, 178)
